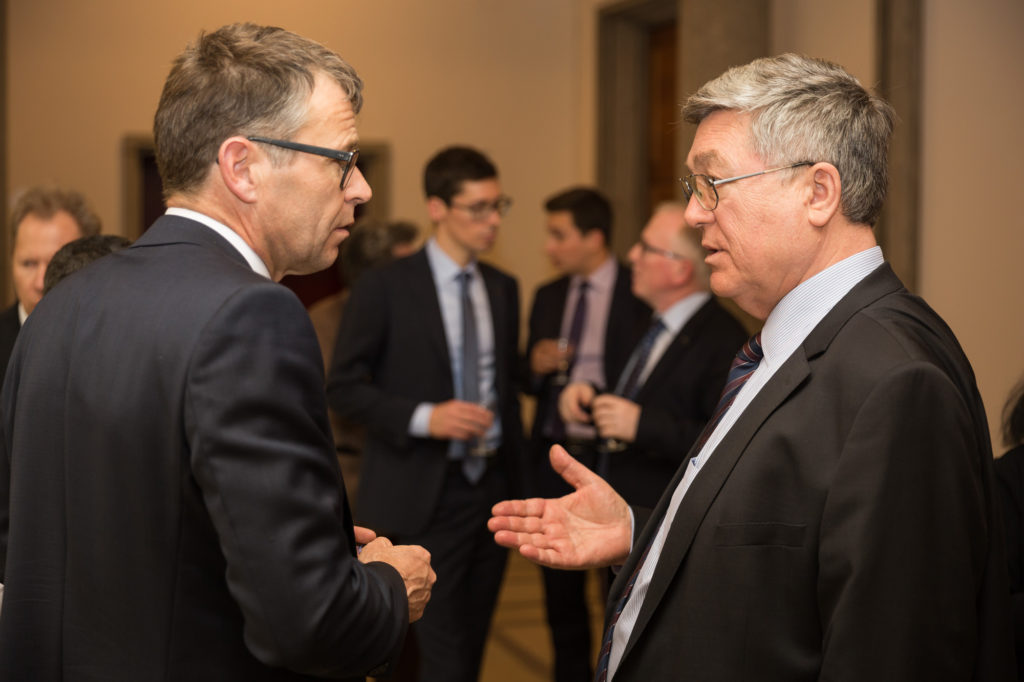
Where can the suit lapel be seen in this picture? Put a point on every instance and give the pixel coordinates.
(676, 350)
(422, 292)
(499, 319)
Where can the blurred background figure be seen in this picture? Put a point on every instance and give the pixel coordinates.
(583, 326)
(43, 220)
(76, 254)
(1010, 482)
(371, 243)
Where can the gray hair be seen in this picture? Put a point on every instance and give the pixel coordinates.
(242, 79)
(806, 109)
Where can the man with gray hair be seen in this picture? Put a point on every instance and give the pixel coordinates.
(170, 504)
(836, 519)
(667, 391)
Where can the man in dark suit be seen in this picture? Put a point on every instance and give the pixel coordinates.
(667, 392)
(170, 503)
(583, 327)
(427, 361)
(836, 520)
(43, 220)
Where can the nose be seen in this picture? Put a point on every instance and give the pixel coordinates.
(38, 277)
(358, 190)
(634, 254)
(696, 215)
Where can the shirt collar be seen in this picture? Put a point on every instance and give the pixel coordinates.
(443, 266)
(254, 261)
(803, 308)
(682, 310)
(601, 279)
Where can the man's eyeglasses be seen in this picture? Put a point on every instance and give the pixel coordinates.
(647, 248)
(705, 188)
(482, 209)
(346, 159)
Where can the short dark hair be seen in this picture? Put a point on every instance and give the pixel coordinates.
(1013, 417)
(370, 243)
(452, 166)
(590, 210)
(46, 202)
(76, 254)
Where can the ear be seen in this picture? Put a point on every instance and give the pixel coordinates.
(826, 194)
(436, 209)
(684, 271)
(594, 240)
(241, 167)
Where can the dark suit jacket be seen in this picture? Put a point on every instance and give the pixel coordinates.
(677, 399)
(1010, 483)
(844, 529)
(10, 325)
(391, 355)
(174, 503)
(628, 318)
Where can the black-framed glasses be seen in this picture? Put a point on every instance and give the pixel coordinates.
(482, 209)
(647, 248)
(705, 188)
(346, 159)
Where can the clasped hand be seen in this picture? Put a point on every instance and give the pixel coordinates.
(411, 561)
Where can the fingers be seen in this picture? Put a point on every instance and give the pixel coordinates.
(574, 473)
(364, 535)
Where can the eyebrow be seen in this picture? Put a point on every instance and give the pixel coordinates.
(705, 159)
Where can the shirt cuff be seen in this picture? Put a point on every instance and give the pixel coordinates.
(419, 425)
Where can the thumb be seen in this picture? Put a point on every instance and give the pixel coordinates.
(566, 466)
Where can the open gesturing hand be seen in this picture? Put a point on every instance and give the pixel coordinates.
(587, 528)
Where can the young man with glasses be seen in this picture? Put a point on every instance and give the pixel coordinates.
(427, 360)
(836, 520)
(171, 506)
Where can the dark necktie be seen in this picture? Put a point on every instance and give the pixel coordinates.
(554, 427)
(472, 467)
(641, 354)
(743, 366)
(579, 320)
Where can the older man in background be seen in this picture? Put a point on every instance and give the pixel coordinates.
(43, 220)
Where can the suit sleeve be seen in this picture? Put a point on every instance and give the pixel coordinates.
(904, 536)
(353, 388)
(261, 454)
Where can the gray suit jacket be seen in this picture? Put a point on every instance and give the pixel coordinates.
(845, 527)
(170, 504)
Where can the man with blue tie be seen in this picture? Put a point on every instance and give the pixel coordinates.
(836, 521)
(426, 360)
(668, 390)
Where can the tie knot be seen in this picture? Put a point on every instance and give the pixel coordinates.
(751, 351)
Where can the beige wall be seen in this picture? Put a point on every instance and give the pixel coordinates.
(518, 80)
(971, 247)
(498, 75)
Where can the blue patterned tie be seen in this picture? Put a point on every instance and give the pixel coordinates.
(631, 385)
(472, 467)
